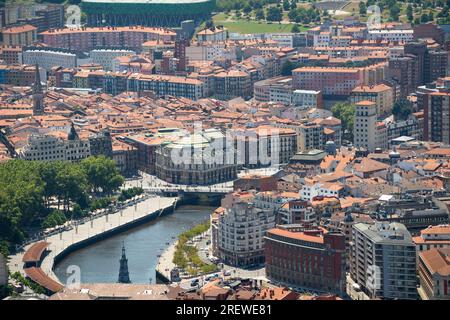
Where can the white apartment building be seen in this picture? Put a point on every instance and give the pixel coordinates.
(282, 39)
(272, 200)
(211, 52)
(47, 59)
(383, 260)
(215, 34)
(241, 231)
(53, 148)
(322, 189)
(296, 212)
(365, 125)
(105, 57)
(404, 35)
(306, 98)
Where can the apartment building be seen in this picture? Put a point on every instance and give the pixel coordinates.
(404, 70)
(232, 83)
(296, 212)
(365, 125)
(10, 54)
(167, 85)
(90, 38)
(214, 34)
(433, 237)
(381, 94)
(24, 35)
(383, 260)
(307, 98)
(337, 81)
(48, 58)
(391, 35)
(306, 258)
(241, 231)
(105, 57)
(436, 122)
(434, 274)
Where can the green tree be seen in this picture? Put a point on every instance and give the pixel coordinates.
(362, 8)
(72, 184)
(102, 174)
(286, 68)
(402, 109)
(259, 14)
(410, 13)
(346, 113)
(286, 5)
(394, 12)
(295, 29)
(274, 14)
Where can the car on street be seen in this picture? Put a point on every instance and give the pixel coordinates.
(194, 282)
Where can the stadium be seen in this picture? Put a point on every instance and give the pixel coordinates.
(162, 13)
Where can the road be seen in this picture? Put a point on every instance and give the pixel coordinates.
(61, 240)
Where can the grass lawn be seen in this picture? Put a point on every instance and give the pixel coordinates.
(255, 27)
(244, 26)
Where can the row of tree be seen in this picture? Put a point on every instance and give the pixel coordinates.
(32, 192)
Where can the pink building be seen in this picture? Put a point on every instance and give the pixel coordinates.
(86, 39)
(336, 81)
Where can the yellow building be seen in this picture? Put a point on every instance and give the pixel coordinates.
(381, 94)
(19, 36)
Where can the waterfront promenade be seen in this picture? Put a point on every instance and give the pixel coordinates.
(92, 228)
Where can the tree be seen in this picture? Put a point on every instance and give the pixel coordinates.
(286, 68)
(72, 184)
(410, 13)
(247, 9)
(424, 18)
(102, 174)
(274, 14)
(346, 113)
(259, 14)
(402, 109)
(293, 5)
(394, 12)
(286, 5)
(209, 24)
(362, 8)
(295, 29)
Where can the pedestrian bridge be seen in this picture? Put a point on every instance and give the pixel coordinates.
(185, 189)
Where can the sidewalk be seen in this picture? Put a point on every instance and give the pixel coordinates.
(60, 241)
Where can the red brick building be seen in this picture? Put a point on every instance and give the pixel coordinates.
(313, 259)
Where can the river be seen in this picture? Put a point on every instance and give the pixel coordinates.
(99, 262)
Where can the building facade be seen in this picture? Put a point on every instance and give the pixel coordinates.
(383, 260)
(241, 231)
(310, 259)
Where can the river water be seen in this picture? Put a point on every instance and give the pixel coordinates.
(100, 262)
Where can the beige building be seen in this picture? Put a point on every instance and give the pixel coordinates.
(214, 34)
(365, 125)
(434, 274)
(381, 94)
(241, 231)
(19, 36)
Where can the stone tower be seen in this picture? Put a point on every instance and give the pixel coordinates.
(38, 94)
(124, 276)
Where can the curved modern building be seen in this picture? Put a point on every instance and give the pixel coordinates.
(161, 13)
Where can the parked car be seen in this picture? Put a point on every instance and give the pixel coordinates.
(194, 282)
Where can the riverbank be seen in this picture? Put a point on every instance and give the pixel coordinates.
(91, 231)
